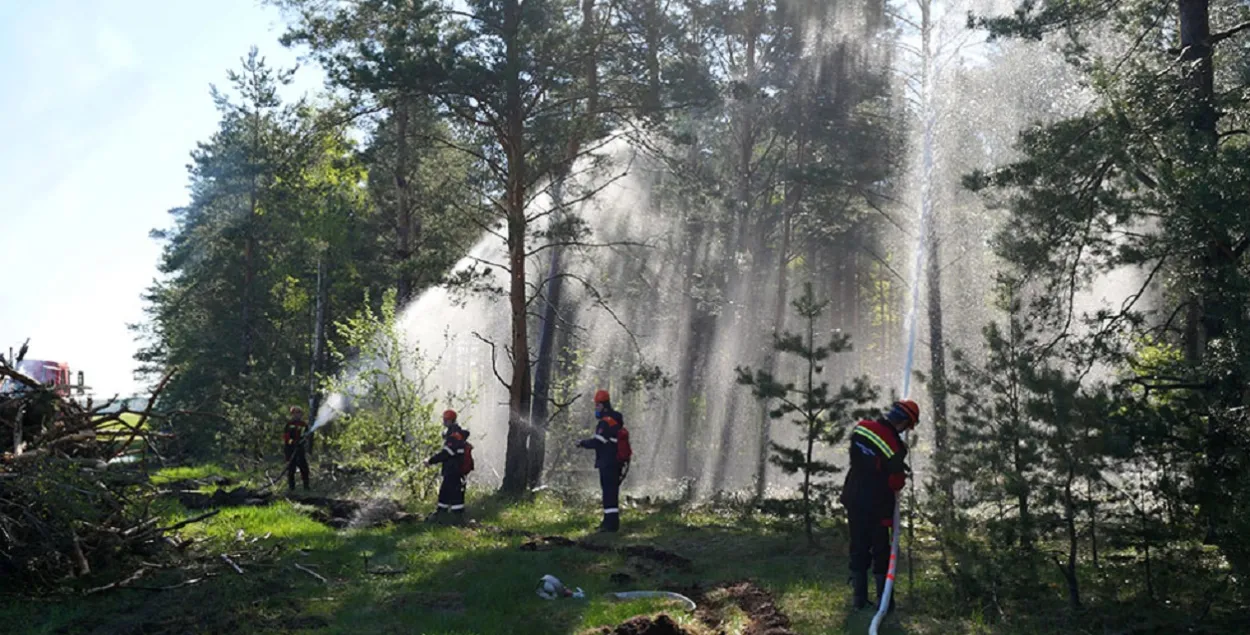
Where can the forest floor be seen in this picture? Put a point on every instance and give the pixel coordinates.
(304, 572)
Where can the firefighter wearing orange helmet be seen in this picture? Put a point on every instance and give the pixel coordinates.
(457, 461)
(877, 472)
(611, 445)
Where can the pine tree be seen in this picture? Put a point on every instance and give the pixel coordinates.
(813, 407)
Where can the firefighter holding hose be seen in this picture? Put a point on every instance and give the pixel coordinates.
(612, 455)
(293, 447)
(876, 475)
(456, 458)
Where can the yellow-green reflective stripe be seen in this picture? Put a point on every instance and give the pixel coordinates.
(876, 440)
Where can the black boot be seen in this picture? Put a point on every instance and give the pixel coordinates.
(859, 589)
(881, 592)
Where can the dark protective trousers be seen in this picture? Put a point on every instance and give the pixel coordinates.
(870, 543)
(610, 483)
(295, 459)
(451, 494)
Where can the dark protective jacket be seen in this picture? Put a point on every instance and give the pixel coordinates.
(877, 471)
(605, 439)
(294, 431)
(452, 454)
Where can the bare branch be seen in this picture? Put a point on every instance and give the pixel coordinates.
(493, 366)
(1216, 38)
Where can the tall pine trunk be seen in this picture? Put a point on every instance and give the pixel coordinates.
(1069, 568)
(739, 224)
(937, 340)
(546, 333)
(519, 390)
(249, 247)
(317, 352)
(405, 222)
(685, 392)
(790, 206)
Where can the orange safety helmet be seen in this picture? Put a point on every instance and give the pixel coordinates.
(905, 409)
(449, 414)
(602, 397)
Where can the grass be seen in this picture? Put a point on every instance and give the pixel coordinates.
(475, 580)
(201, 471)
(130, 418)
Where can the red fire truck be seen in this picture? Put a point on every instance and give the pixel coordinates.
(54, 374)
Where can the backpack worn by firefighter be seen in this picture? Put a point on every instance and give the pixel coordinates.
(466, 464)
(623, 451)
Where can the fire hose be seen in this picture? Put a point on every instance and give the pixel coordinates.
(910, 358)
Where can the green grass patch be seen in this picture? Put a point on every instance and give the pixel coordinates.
(131, 419)
(443, 580)
(168, 475)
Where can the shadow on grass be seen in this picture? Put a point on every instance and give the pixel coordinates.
(443, 580)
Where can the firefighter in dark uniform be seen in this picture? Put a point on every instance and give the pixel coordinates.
(451, 492)
(293, 447)
(876, 475)
(604, 443)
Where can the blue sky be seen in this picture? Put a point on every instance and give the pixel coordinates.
(102, 101)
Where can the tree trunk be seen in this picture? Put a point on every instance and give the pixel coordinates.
(793, 199)
(1205, 309)
(652, 14)
(318, 341)
(937, 340)
(546, 355)
(688, 357)
(519, 391)
(1195, 33)
(811, 433)
(1093, 525)
(546, 333)
(1069, 571)
(249, 246)
(404, 222)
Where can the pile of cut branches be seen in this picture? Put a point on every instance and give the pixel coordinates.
(74, 492)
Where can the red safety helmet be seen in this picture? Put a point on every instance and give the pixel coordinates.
(905, 409)
(602, 397)
(449, 414)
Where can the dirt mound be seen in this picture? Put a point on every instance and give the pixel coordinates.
(340, 513)
(765, 618)
(644, 552)
(661, 556)
(758, 604)
(237, 497)
(660, 625)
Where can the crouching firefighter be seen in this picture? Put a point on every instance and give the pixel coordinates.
(876, 475)
(612, 456)
(294, 448)
(457, 460)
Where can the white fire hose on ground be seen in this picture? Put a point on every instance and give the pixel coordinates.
(550, 588)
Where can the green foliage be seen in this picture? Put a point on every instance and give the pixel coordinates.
(819, 411)
(1151, 177)
(392, 427)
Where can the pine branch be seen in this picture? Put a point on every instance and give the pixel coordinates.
(1216, 38)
